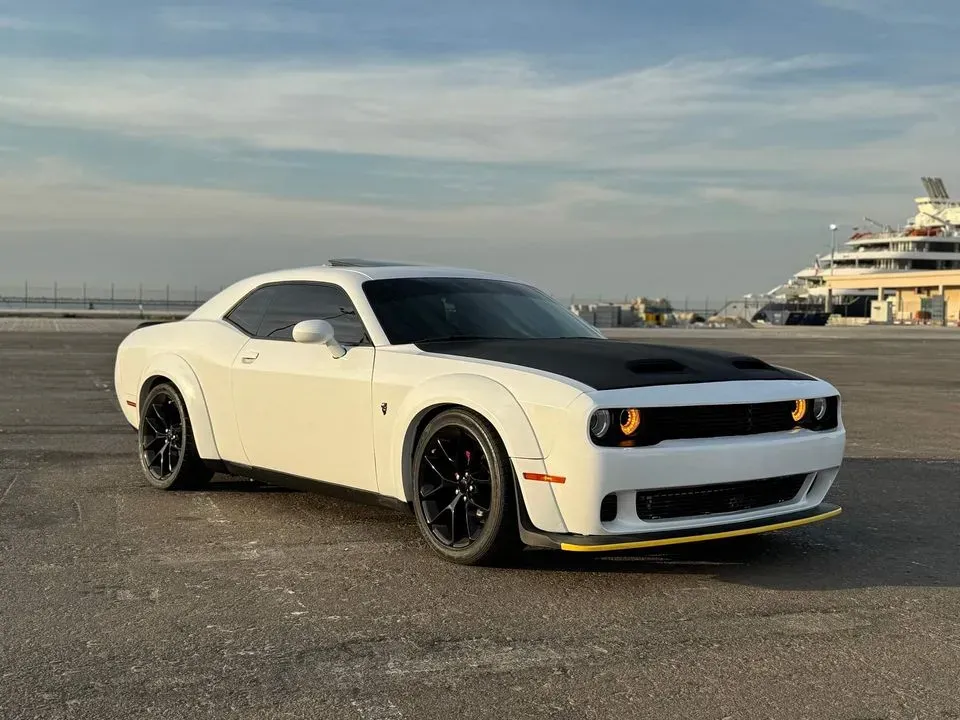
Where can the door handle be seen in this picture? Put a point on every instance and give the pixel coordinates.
(249, 357)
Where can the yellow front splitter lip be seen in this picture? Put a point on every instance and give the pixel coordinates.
(821, 512)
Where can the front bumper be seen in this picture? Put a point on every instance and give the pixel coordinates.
(612, 543)
(722, 471)
(624, 476)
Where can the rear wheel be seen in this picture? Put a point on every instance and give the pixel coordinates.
(463, 490)
(168, 453)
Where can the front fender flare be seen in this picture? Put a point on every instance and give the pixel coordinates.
(179, 372)
(502, 410)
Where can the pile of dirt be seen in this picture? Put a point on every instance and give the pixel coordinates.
(731, 322)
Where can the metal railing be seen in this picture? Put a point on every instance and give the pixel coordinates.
(605, 311)
(96, 297)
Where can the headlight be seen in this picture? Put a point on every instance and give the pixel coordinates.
(599, 423)
(618, 427)
(816, 413)
(819, 408)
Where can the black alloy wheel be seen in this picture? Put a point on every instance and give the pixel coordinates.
(168, 454)
(463, 490)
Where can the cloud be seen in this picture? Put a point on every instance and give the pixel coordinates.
(50, 194)
(615, 156)
(201, 19)
(12, 23)
(898, 12)
(778, 203)
(59, 220)
(62, 222)
(659, 161)
(742, 114)
(497, 110)
(63, 225)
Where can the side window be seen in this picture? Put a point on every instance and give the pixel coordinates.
(248, 314)
(294, 303)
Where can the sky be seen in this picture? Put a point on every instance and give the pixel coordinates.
(687, 148)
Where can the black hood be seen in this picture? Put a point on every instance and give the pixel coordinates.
(611, 364)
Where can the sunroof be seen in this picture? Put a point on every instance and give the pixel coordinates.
(360, 262)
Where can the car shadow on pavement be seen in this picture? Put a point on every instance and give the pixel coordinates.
(898, 528)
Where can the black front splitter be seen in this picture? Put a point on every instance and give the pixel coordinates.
(608, 543)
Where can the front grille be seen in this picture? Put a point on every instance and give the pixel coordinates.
(690, 422)
(714, 499)
(704, 421)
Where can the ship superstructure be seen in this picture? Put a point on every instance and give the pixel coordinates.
(930, 240)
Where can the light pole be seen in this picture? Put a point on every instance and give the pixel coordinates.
(833, 252)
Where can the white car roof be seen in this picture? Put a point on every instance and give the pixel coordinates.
(348, 274)
(351, 274)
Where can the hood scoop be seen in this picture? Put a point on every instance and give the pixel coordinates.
(654, 366)
(748, 363)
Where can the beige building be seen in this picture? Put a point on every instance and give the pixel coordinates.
(907, 291)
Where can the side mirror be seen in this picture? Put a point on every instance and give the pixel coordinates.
(318, 332)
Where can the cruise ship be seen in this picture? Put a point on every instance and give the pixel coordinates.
(930, 240)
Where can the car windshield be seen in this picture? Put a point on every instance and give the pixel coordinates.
(412, 310)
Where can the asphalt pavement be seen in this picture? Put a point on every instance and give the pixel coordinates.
(244, 601)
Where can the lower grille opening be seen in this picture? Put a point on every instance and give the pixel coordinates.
(715, 499)
(608, 508)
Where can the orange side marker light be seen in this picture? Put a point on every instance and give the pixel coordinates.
(545, 478)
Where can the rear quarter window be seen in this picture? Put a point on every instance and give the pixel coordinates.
(248, 314)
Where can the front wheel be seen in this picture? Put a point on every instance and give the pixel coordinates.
(463, 490)
(168, 453)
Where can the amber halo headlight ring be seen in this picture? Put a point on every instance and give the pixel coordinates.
(623, 427)
(629, 421)
(799, 410)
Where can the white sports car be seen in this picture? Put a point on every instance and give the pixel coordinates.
(489, 409)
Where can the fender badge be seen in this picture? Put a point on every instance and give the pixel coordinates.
(383, 408)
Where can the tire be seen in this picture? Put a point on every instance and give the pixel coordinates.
(165, 424)
(465, 505)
